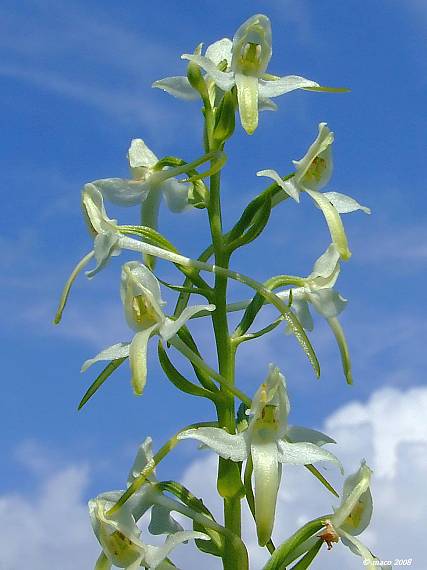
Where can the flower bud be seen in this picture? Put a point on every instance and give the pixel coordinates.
(225, 118)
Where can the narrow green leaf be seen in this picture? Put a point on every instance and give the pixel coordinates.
(306, 560)
(283, 551)
(343, 347)
(99, 381)
(178, 379)
(321, 478)
(325, 89)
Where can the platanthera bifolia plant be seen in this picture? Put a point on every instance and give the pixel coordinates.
(250, 435)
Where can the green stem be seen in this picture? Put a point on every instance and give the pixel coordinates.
(228, 473)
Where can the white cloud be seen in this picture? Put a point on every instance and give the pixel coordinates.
(389, 430)
(49, 528)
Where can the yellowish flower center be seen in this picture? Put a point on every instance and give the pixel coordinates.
(316, 170)
(354, 518)
(143, 312)
(124, 551)
(250, 58)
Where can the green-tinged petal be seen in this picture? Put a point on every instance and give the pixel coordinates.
(67, 287)
(304, 453)
(266, 104)
(314, 169)
(334, 222)
(119, 350)
(300, 307)
(327, 302)
(170, 327)
(138, 359)
(103, 563)
(355, 511)
(220, 51)
(122, 191)
(94, 210)
(176, 194)
(162, 522)
(155, 555)
(267, 478)
(226, 445)
(178, 87)
(251, 50)
(343, 348)
(345, 204)
(224, 80)
(144, 456)
(325, 267)
(369, 560)
(290, 189)
(247, 96)
(150, 209)
(106, 245)
(284, 85)
(296, 434)
(141, 297)
(140, 156)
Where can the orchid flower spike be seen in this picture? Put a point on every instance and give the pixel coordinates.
(269, 441)
(312, 173)
(142, 302)
(353, 516)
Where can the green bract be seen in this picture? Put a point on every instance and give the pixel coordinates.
(270, 442)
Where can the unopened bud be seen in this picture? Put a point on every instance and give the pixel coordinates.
(225, 118)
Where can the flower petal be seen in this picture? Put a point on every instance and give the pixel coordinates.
(327, 302)
(334, 222)
(103, 563)
(225, 444)
(314, 169)
(121, 191)
(267, 478)
(283, 85)
(266, 104)
(106, 244)
(220, 51)
(140, 156)
(343, 347)
(178, 87)
(224, 80)
(119, 350)
(304, 453)
(154, 555)
(247, 96)
(296, 434)
(302, 311)
(345, 204)
(176, 194)
(144, 456)
(356, 498)
(369, 560)
(162, 522)
(170, 327)
(325, 265)
(138, 359)
(290, 189)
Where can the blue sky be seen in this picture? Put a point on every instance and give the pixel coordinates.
(75, 89)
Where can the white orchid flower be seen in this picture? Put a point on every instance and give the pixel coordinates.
(146, 186)
(220, 54)
(353, 516)
(270, 442)
(119, 537)
(142, 302)
(251, 52)
(312, 174)
(318, 290)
